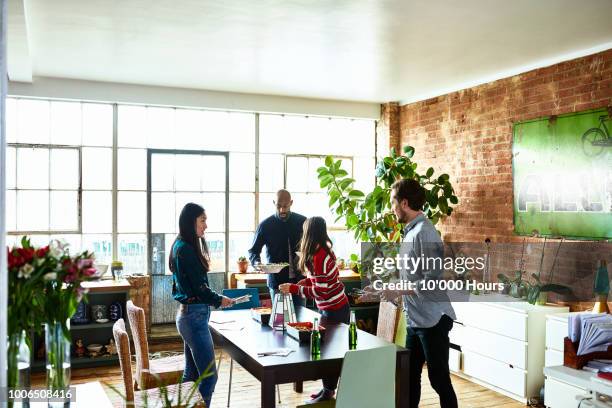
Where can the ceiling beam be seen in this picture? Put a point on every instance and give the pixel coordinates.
(19, 58)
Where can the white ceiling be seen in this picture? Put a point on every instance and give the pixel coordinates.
(358, 50)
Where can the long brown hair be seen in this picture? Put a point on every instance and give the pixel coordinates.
(187, 233)
(313, 237)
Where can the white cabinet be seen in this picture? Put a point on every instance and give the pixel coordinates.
(502, 344)
(556, 331)
(563, 385)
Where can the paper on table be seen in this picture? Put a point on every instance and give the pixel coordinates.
(234, 327)
(221, 320)
(280, 352)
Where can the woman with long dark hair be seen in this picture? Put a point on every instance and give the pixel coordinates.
(190, 262)
(323, 285)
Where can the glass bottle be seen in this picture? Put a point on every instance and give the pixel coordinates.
(315, 339)
(352, 332)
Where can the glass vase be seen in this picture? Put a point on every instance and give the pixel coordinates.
(18, 366)
(57, 342)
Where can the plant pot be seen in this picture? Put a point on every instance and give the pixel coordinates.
(542, 299)
(516, 291)
(57, 342)
(243, 266)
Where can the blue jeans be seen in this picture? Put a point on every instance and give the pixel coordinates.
(192, 324)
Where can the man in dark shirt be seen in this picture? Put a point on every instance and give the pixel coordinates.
(280, 234)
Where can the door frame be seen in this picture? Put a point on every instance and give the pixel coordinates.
(150, 153)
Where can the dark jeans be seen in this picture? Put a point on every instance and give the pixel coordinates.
(342, 315)
(192, 324)
(431, 345)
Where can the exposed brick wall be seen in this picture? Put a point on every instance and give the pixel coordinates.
(468, 134)
(388, 129)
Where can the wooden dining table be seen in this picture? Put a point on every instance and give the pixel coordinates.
(242, 338)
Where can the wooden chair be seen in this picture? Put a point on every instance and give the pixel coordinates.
(152, 396)
(388, 320)
(367, 380)
(149, 373)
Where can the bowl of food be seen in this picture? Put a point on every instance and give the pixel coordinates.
(301, 331)
(273, 267)
(94, 348)
(261, 314)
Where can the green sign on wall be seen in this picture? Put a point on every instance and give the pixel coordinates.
(563, 176)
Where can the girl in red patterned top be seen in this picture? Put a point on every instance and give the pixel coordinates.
(323, 285)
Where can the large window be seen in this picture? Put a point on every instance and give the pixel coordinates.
(72, 176)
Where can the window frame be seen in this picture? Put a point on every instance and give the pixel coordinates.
(79, 189)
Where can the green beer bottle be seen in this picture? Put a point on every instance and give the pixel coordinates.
(352, 332)
(315, 339)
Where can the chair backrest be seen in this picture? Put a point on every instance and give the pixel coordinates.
(123, 350)
(138, 326)
(234, 293)
(368, 378)
(388, 320)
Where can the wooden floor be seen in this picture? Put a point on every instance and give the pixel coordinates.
(245, 389)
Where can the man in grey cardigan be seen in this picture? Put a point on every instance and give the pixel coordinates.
(429, 313)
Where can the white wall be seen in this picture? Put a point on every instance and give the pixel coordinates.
(155, 95)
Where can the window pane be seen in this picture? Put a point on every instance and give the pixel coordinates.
(97, 124)
(133, 252)
(272, 134)
(38, 240)
(11, 167)
(240, 242)
(11, 210)
(163, 213)
(131, 211)
(162, 172)
(344, 244)
(132, 169)
(240, 131)
(32, 168)
(97, 211)
(12, 240)
(11, 120)
(242, 172)
(213, 173)
(32, 210)
(160, 127)
(66, 123)
(131, 126)
(266, 205)
(297, 174)
(72, 240)
(270, 172)
(214, 205)
(33, 121)
(313, 180)
(216, 249)
(64, 211)
(242, 211)
(101, 245)
(215, 133)
(97, 168)
(189, 129)
(181, 199)
(65, 169)
(364, 174)
(188, 172)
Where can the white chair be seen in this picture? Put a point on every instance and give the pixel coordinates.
(367, 379)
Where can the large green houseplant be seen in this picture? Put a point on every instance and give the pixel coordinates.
(369, 216)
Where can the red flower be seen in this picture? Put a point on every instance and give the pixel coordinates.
(14, 259)
(41, 252)
(89, 271)
(26, 253)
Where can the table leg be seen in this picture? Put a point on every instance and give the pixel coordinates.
(298, 386)
(267, 390)
(402, 380)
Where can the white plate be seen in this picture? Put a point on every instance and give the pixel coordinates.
(273, 268)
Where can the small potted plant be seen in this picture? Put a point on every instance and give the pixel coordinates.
(243, 264)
